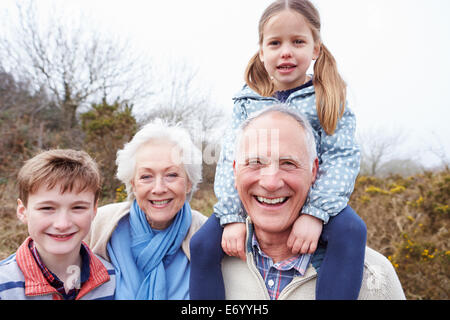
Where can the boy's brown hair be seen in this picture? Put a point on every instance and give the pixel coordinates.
(74, 170)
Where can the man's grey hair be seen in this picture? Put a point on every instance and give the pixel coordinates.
(310, 141)
(191, 156)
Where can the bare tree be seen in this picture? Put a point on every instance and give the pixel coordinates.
(378, 147)
(76, 62)
(180, 97)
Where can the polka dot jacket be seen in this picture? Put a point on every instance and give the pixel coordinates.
(339, 157)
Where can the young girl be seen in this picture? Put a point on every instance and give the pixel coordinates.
(289, 39)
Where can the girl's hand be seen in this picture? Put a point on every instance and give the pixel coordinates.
(233, 240)
(305, 234)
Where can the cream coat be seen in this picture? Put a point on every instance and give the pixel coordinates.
(244, 282)
(107, 218)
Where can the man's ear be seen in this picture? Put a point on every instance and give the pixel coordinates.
(21, 211)
(234, 171)
(315, 168)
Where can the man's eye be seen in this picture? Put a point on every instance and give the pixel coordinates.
(255, 163)
(288, 164)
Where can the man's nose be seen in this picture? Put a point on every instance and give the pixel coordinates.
(270, 178)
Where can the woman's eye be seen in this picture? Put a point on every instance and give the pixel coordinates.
(171, 176)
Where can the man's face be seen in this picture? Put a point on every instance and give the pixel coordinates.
(273, 172)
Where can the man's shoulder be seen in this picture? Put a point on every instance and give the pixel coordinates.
(380, 280)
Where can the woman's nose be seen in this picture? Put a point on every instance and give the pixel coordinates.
(159, 185)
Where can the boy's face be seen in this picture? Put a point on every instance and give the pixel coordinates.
(58, 222)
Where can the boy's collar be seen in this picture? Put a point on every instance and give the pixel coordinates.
(35, 282)
(53, 278)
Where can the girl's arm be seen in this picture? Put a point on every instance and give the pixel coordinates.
(228, 207)
(339, 161)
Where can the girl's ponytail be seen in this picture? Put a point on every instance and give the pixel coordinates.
(331, 91)
(257, 77)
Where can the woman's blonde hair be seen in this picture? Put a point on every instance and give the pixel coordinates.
(329, 86)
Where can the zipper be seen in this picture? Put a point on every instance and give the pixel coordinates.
(252, 266)
(295, 283)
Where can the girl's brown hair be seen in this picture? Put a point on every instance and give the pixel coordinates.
(74, 170)
(330, 88)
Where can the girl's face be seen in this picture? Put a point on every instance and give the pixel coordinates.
(288, 49)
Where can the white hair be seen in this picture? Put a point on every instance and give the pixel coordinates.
(310, 141)
(191, 156)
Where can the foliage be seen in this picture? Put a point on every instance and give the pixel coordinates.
(408, 221)
(107, 127)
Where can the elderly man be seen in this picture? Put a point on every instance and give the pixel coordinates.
(274, 168)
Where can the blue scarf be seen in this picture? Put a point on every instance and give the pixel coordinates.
(140, 273)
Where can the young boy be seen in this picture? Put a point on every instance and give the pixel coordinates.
(58, 192)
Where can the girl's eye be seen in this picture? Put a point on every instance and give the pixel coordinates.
(298, 41)
(46, 208)
(274, 43)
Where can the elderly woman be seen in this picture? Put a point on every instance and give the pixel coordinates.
(147, 237)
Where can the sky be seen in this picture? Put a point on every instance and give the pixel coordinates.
(393, 54)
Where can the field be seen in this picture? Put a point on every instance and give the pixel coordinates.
(407, 221)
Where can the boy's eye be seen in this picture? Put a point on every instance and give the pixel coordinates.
(80, 208)
(46, 208)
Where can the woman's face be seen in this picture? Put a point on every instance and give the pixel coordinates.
(160, 182)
